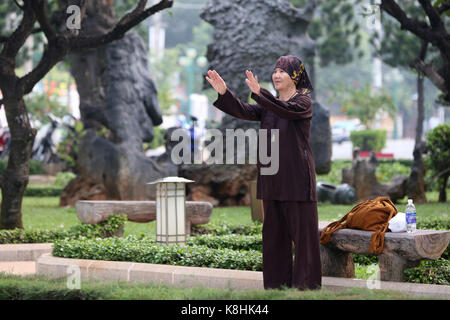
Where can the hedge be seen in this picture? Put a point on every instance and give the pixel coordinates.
(369, 139)
(254, 228)
(106, 228)
(430, 272)
(49, 191)
(145, 250)
(232, 241)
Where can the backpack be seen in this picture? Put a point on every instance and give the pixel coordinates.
(369, 215)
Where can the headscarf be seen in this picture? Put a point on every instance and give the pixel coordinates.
(296, 70)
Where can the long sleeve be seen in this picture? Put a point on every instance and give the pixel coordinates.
(232, 105)
(298, 108)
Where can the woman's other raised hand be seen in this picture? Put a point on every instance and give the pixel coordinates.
(216, 81)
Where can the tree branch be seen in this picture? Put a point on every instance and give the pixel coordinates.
(428, 70)
(124, 24)
(129, 16)
(39, 8)
(16, 40)
(18, 4)
(433, 15)
(53, 53)
(443, 7)
(419, 28)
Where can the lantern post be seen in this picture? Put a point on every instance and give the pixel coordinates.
(171, 210)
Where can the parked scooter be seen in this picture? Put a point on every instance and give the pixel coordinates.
(47, 141)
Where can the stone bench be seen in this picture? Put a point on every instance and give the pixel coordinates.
(91, 212)
(402, 250)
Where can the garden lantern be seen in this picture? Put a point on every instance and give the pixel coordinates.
(171, 210)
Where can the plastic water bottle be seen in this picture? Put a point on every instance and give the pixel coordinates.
(410, 216)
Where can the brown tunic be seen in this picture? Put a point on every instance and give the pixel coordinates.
(295, 179)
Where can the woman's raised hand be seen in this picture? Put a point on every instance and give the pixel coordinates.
(216, 81)
(252, 82)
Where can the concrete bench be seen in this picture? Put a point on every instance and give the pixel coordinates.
(91, 212)
(402, 250)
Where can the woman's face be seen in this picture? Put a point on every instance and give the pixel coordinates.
(281, 80)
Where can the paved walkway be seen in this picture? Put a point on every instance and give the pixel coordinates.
(18, 267)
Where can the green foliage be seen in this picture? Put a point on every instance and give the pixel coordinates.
(365, 259)
(70, 146)
(226, 228)
(438, 155)
(336, 30)
(230, 241)
(39, 105)
(43, 191)
(369, 139)
(364, 103)
(429, 271)
(15, 289)
(158, 139)
(36, 166)
(106, 228)
(433, 223)
(142, 249)
(385, 172)
(63, 178)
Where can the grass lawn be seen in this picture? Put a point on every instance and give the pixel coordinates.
(44, 213)
(38, 287)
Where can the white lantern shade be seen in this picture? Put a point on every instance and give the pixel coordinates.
(171, 210)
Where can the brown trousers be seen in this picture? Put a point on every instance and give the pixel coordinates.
(287, 223)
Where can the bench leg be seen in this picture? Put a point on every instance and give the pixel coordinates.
(336, 263)
(392, 267)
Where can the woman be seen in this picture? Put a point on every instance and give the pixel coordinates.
(289, 196)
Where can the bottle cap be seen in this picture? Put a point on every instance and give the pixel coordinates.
(410, 201)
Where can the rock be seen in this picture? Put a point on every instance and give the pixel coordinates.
(202, 193)
(80, 188)
(320, 138)
(227, 184)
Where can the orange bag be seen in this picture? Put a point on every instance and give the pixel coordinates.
(369, 215)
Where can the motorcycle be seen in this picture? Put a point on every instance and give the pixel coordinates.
(48, 138)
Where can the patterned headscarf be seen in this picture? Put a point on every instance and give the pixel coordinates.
(296, 70)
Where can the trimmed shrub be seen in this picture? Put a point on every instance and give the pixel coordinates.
(103, 229)
(48, 191)
(369, 139)
(232, 241)
(223, 229)
(145, 250)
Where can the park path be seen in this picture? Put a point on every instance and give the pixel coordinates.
(18, 267)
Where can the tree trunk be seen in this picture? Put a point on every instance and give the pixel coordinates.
(442, 191)
(15, 178)
(416, 181)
